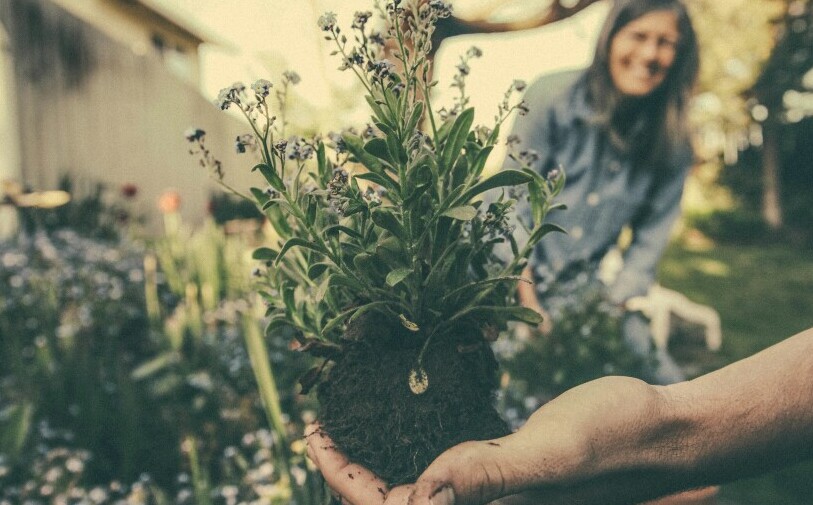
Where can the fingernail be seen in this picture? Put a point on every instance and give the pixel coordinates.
(444, 496)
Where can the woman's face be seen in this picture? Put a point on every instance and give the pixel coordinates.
(643, 51)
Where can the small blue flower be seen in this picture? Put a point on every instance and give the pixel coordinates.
(194, 134)
(261, 87)
(327, 21)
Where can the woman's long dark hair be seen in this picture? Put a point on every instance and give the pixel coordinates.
(664, 111)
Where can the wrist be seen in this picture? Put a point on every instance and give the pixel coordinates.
(675, 435)
(654, 434)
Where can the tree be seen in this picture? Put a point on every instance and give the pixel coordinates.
(780, 92)
(483, 22)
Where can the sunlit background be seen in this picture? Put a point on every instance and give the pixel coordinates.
(129, 327)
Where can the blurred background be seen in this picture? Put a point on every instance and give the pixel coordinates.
(131, 344)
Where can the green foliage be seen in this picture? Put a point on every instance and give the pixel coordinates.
(225, 207)
(396, 225)
(586, 343)
(730, 65)
(99, 392)
(763, 293)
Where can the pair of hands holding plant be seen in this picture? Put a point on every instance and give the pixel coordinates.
(618, 440)
(553, 458)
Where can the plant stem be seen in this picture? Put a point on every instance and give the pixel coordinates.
(269, 394)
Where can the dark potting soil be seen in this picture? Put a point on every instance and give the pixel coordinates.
(367, 408)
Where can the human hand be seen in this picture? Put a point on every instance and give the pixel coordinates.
(349, 483)
(554, 458)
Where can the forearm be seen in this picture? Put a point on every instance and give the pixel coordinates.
(752, 416)
(618, 440)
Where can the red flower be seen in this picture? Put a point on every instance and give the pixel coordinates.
(169, 202)
(129, 190)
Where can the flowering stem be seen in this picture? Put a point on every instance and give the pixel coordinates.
(428, 110)
(333, 257)
(352, 65)
(231, 189)
(266, 154)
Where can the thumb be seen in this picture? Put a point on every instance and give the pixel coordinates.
(467, 474)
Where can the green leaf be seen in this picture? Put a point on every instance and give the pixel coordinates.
(355, 208)
(336, 228)
(500, 179)
(459, 173)
(310, 217)
(271, 176)
(543, 230)
(380, 179)
(337, 320)
(279, 221)
(321, 160)
(421, 174)
(264, 254)
(390, 250)
(15, 426)
(321, 289)
(379, 112)
(385, 129)
(414, 119)
(366, 308)
(279, 321)
(451, 198)
(537, 201)
(524, 314)
(472, 286)
(480, 161)
(396, 150)
(348, 282)
(387, 220)
(462, 213)
(513, 313)
(317, 269)
(378, 148)
(296, 242)
(289, 298)
(366, 265)
(457, 137)
(155, 365)
(259, 195)
(417, 112)
(397, 276)
(355, 145)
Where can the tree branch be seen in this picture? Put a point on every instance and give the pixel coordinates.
(453, 26)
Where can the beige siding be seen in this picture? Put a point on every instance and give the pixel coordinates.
(89, 106)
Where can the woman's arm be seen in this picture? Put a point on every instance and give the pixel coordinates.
(618, 440)
(650, 232)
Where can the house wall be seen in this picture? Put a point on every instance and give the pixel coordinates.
(90, 107)
(9, 152)
(143, 31)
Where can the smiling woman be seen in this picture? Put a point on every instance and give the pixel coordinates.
(642, 53)
(619, 131)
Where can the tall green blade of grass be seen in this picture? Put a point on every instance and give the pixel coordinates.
(261, 365)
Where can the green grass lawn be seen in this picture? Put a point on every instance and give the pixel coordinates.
(764, 293)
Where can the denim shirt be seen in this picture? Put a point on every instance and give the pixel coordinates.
(603, 192)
